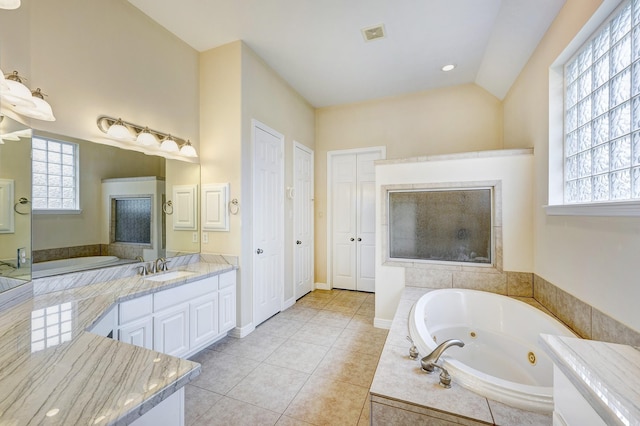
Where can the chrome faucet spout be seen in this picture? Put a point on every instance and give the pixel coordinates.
(428, 363)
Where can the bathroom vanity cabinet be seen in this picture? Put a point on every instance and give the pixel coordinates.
(182, 320)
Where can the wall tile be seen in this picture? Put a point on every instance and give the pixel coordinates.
(573, 312)
(430, 278)
(520, 284)
(84, 251)
(494, 283)
(545, 293)
(607, 329)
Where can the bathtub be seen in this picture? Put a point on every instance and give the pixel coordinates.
(501, 359)
(63, 266)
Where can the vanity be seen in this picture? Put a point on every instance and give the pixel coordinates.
(112, 352)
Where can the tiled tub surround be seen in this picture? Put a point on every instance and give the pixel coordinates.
(86, 376)
(401, 393)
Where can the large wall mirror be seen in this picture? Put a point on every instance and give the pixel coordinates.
(92, 205)
(15, 209)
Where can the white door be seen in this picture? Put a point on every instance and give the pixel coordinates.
(268, 227)
(353, 220)
(303, 273)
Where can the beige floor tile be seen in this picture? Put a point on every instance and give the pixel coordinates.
(256, 346)
(280, 326)
(197, 402)
(270, 387)
(317, 334)
(331, 318)
(228, 411)
(350, 310)
(370, 343)
(366, 310)
(298, 355)
(312, 303)
(365, 414)
(323, 401)
(221, 372)
(361, 323)
(298, 313)
(290, 421)
(348, 366)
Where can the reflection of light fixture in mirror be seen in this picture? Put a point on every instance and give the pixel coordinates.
(145, 137)
(188, 150)
(18, 94)
(9, 4)
(119, 131)
(3, 82)
(42, 110)
(169, 145)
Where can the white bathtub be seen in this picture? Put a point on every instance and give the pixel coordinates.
(501, 359)
(63, 266)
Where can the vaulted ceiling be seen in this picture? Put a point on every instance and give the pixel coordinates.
(317, 45)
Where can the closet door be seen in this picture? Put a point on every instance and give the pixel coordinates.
(344, 215)
(353, 220)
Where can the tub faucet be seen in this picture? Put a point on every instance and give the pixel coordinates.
(428, 363)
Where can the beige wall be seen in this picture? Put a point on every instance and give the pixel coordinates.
(450, 120)
(593, 258)
(237, 87)
(93, 58)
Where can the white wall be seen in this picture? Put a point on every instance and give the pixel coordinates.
(516, 174)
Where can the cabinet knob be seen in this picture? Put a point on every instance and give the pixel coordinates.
(298, 242)
(359, 239)
(259, 251)
(352, 239)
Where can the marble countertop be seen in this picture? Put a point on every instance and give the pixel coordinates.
(606, 374)
(54, 372)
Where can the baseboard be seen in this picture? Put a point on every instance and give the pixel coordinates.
(322, 286)
(240, 332)
(382, 323)
(289, 303)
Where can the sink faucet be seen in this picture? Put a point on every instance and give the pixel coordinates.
(429, 362)
(160, 265)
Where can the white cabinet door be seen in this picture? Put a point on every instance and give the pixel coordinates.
(171, 330)
(139, 333)
(203, 317)
(227, 308)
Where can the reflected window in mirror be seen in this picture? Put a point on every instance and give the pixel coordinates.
(55, 176)
(132, 220)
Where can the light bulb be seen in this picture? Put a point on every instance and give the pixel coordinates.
(119, 131)
(169, 145)
(9, 4)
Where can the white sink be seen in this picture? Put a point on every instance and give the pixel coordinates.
(166, 276)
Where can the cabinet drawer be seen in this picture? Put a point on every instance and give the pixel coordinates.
(174, 296)
(134, 309)
(227, 279)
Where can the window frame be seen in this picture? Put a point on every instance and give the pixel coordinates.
(556, 183)
(76, 165)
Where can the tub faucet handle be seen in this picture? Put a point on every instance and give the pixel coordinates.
(413, 350)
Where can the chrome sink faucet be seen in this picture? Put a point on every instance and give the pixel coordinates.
(428, 363)
(160, 265)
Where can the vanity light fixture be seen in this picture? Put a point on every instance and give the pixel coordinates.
(9, 4)
(146, 138)
(23, 101)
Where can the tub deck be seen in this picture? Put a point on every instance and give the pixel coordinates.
(402, 394)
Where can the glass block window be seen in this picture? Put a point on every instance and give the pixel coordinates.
(602, 113)
(55, 175)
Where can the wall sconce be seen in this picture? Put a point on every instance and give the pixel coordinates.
(23, 101)
(151, 140)
(9, 4)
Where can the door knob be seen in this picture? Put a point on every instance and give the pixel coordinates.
(259, 251)
(359, 239)
(351, 239)
(298, 242)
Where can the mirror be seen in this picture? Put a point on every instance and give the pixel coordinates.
(15, 208)
(124, 211)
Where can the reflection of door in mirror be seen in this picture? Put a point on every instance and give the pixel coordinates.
(15, 232)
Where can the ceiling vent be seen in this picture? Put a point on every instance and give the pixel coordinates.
(373, 33)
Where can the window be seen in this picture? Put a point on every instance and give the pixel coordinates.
(602, 113)
(55, 175)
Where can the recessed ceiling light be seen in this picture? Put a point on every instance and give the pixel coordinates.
(372, 33)
(448, 67)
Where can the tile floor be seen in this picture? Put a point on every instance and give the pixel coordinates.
(311, 364)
